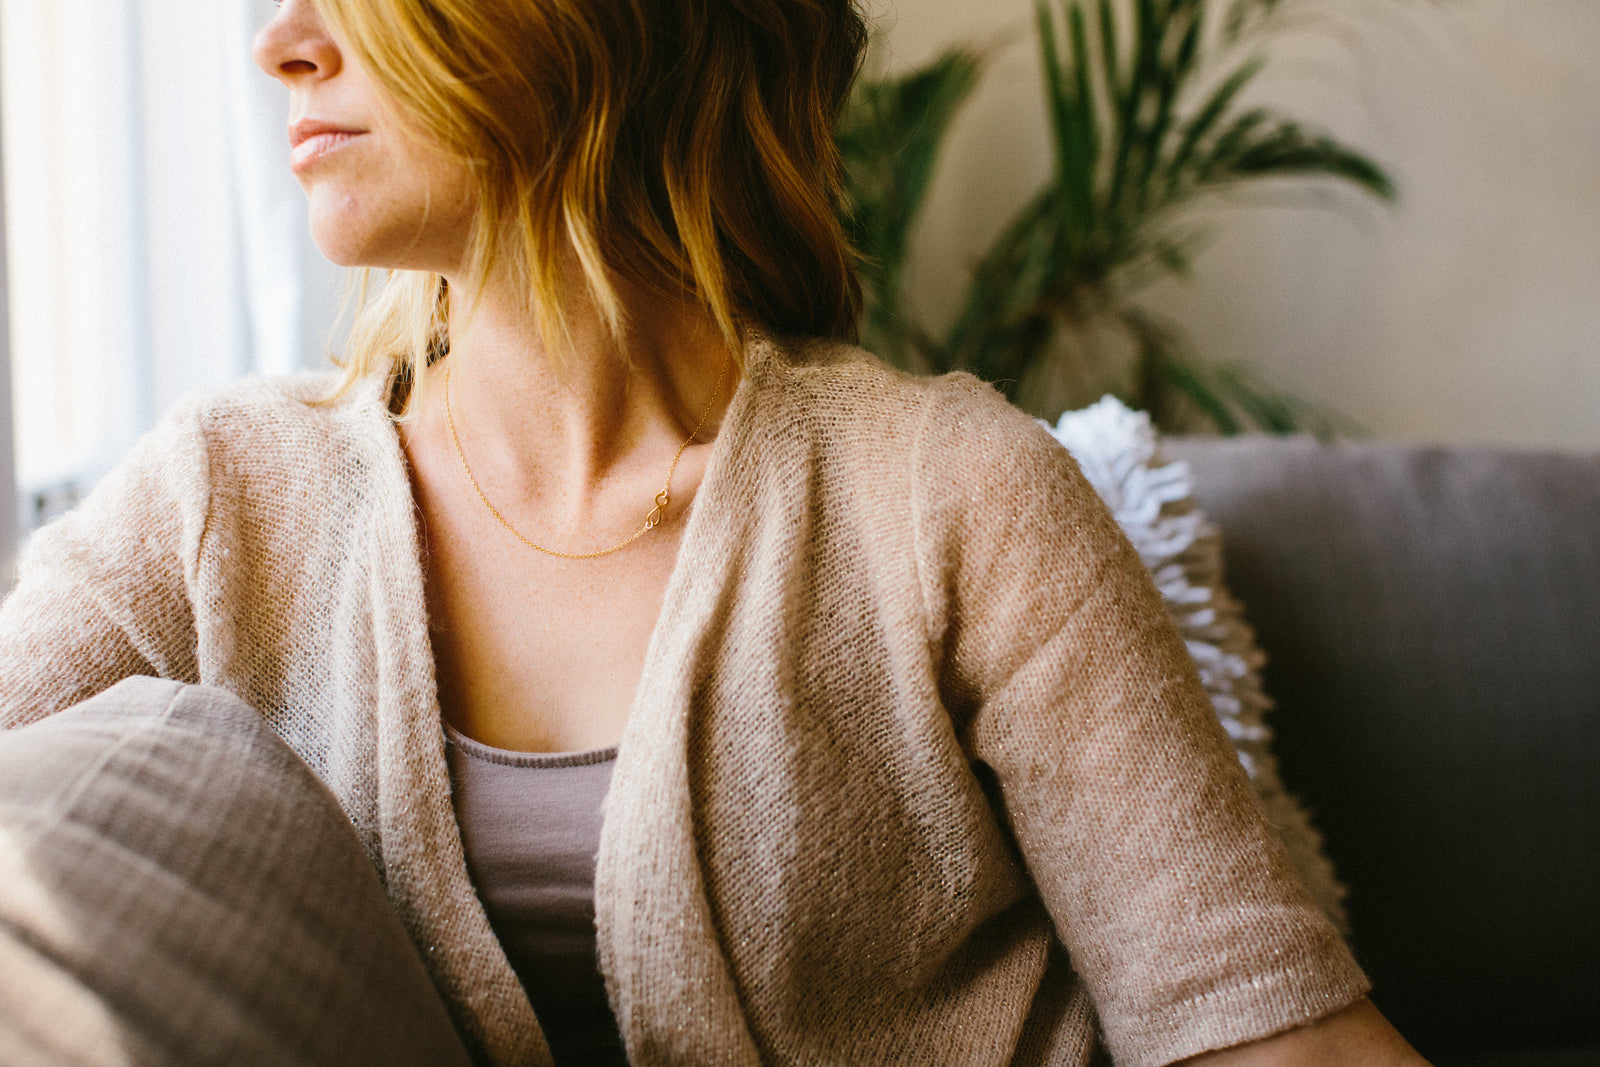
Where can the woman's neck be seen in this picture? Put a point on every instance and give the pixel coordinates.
(562, 425)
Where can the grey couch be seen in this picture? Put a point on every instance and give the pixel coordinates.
(1432, 622)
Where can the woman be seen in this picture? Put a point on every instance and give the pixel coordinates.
(905, 761)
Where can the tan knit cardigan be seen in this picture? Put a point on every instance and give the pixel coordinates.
(917, 771)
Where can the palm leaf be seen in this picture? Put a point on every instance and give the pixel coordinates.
(890, 138)
(1278, 412)
(1242, 15)
(1231, 399)
(1287, 150)
(1227, 145)
(1062, 105)
(1171, 81)
(1141, 76)
(1205, 120)
(1086, 161)
(1110, 59)
(1188, 380)
(991, 333)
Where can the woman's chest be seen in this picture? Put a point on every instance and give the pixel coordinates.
(542, 655)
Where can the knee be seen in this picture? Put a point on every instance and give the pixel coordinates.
(177, 878)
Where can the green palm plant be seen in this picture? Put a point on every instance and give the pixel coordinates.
(1142, 128)
(890, 137)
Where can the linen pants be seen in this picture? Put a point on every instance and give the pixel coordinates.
(176, 886)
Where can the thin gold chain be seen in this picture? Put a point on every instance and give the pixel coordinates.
(651, 520)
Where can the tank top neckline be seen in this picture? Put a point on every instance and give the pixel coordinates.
(509, 758)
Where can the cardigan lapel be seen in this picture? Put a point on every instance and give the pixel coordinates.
(670, 984)
(424, 861)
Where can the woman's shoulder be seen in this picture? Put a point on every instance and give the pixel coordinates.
(263, 445)
(256, 445)
(306, 402)
(835, 380)
(285, 424)
(962, 431)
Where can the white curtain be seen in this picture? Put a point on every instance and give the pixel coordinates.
(156, 241)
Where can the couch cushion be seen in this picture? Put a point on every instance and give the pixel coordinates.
(177, 887)
(1432, 624)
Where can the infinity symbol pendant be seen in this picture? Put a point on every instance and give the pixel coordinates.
(657, 513)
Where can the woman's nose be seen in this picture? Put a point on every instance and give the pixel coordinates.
(295, 45)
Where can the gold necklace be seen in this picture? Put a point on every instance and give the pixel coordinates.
(651, 520)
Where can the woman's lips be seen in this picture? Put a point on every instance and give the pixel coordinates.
(311, 140)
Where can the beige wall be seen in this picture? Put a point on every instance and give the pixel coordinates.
(1469, 313)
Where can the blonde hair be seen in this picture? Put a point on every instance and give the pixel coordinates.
(683, 145)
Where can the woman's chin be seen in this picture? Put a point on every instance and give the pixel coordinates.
(336, 234)
(350, 240)
(339, 255)
(351, 247)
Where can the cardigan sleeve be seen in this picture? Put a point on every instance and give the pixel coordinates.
(104, 592)
(1062, 669)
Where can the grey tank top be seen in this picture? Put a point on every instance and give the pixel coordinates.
(530, 826)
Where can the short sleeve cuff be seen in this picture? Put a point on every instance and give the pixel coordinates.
(1249, 1010)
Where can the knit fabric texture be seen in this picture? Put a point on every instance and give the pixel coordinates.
(1119, 451)
(918, 770)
